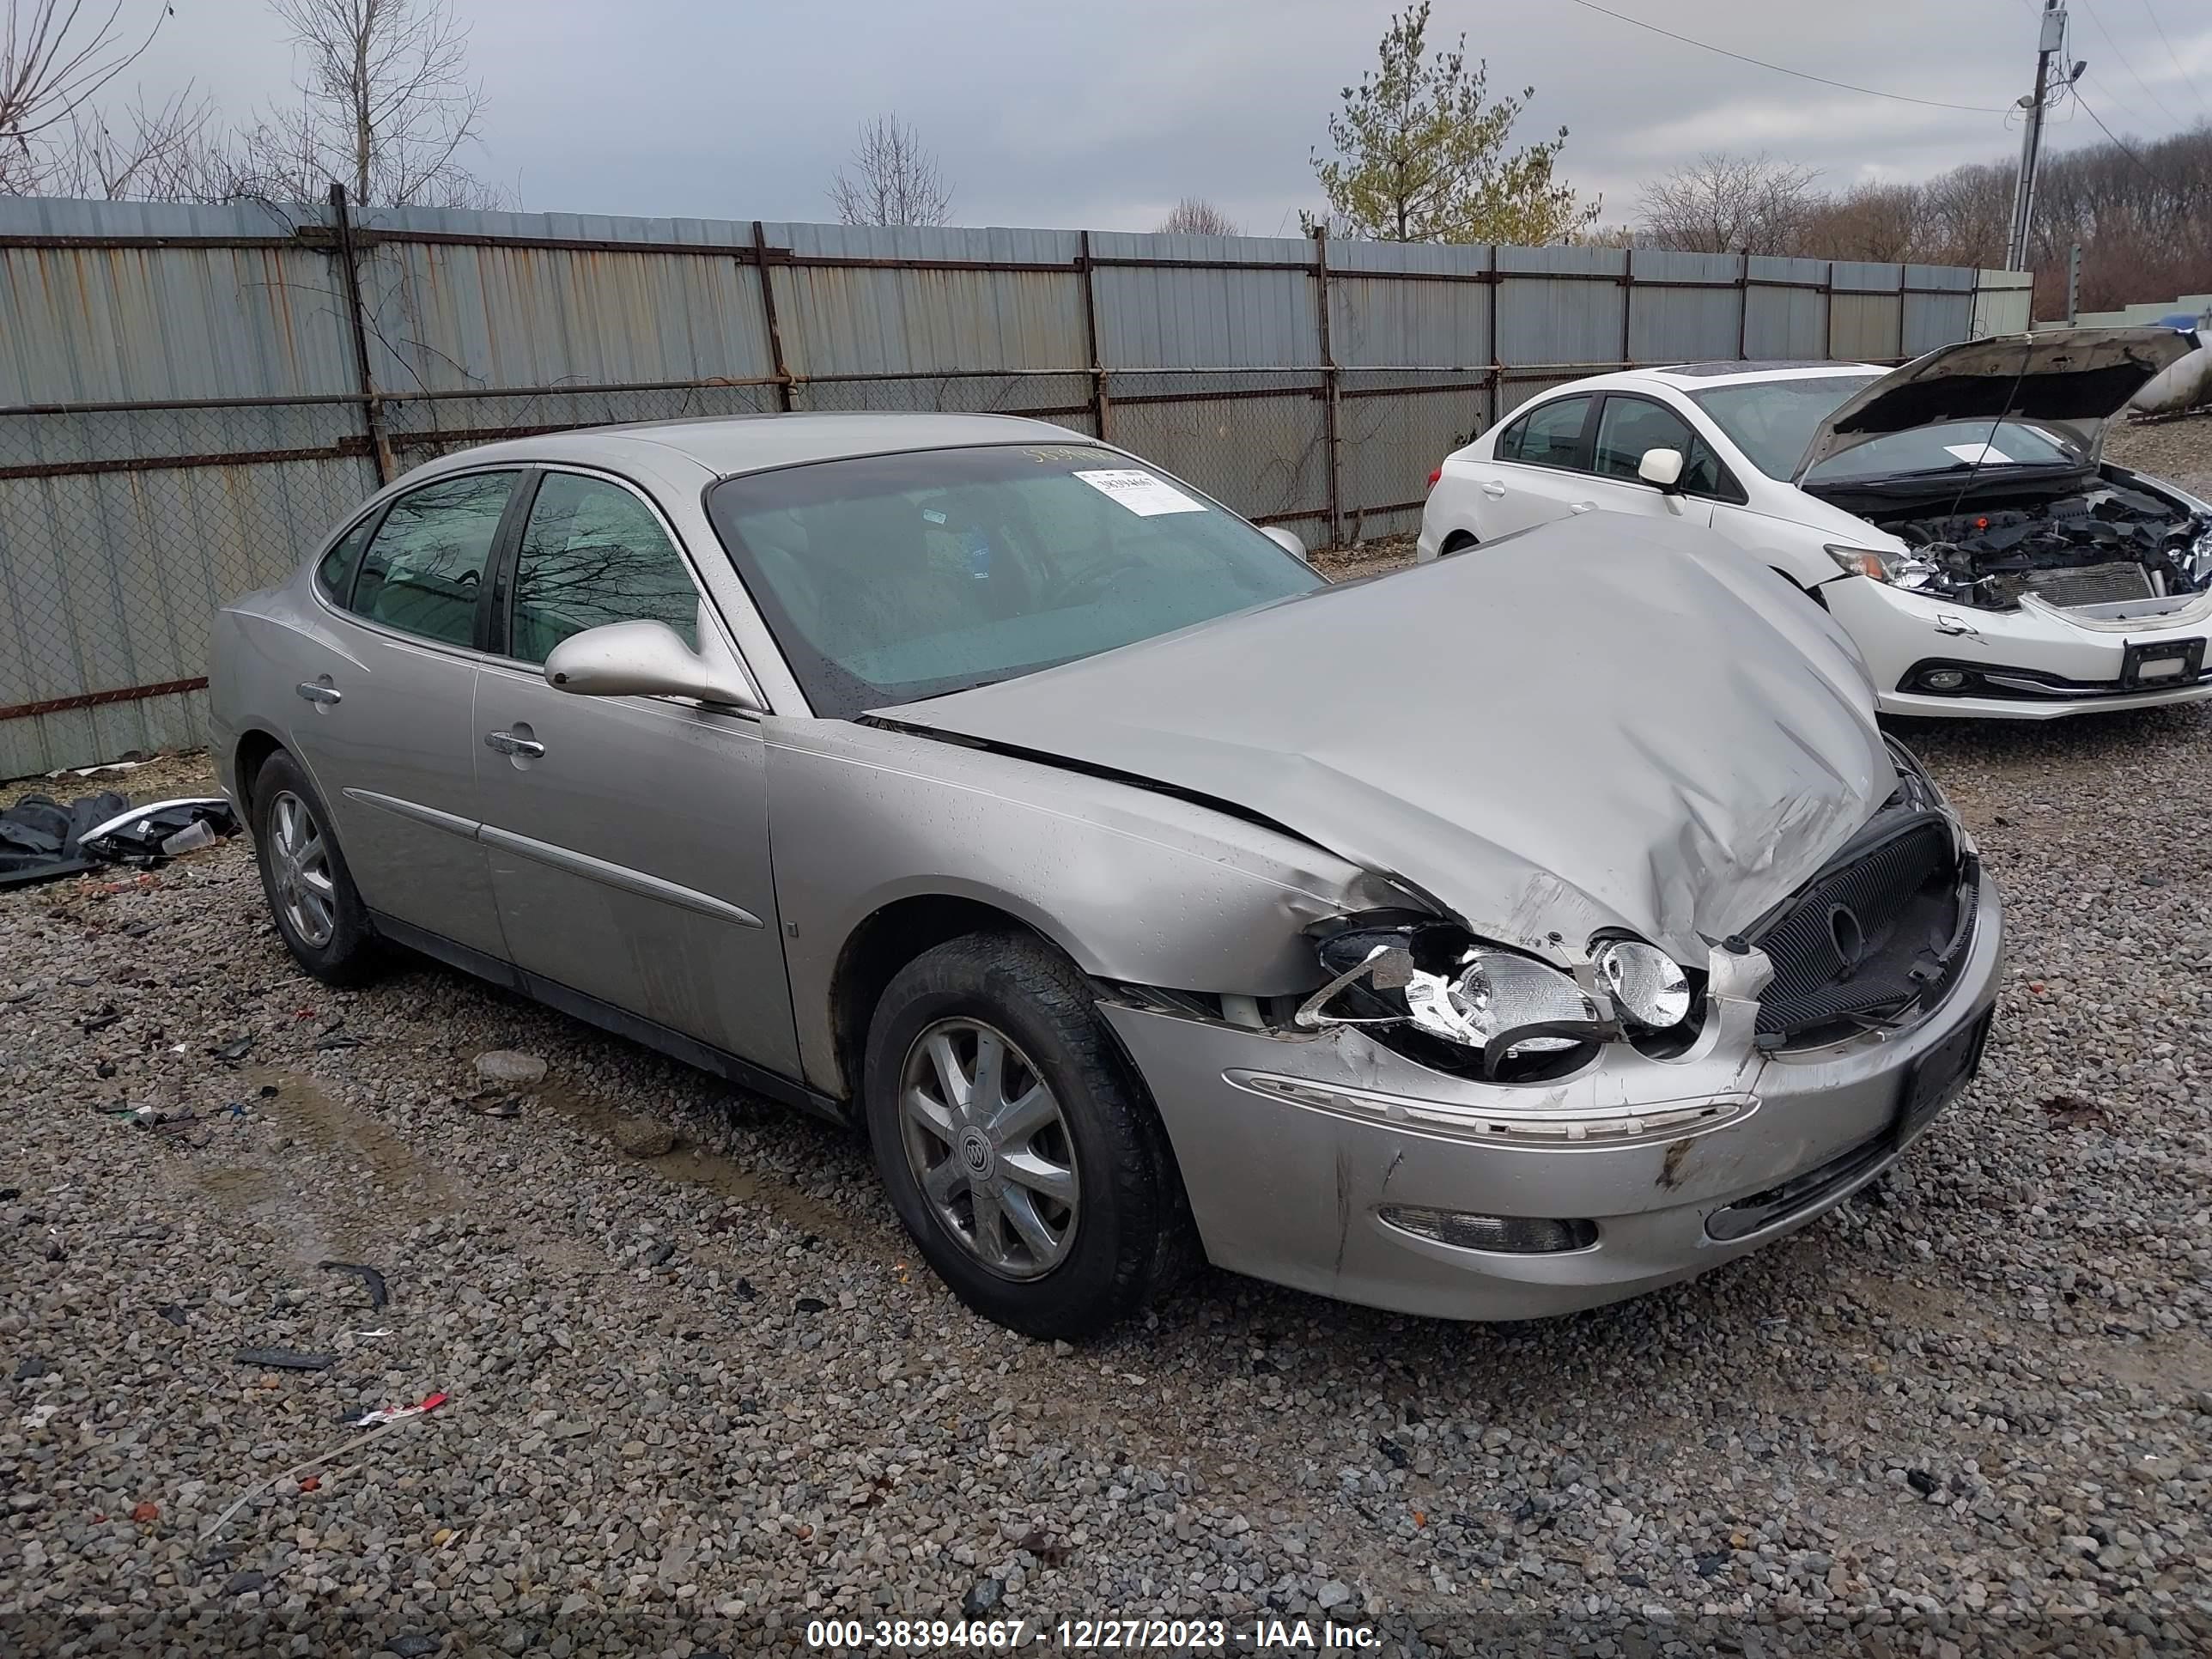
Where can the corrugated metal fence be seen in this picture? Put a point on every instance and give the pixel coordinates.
(189, 396)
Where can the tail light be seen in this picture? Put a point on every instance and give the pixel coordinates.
(1435, 474)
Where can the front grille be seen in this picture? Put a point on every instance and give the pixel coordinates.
(1872, 939)
(2093, 583)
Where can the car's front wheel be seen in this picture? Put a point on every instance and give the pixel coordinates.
(1018, 1146)
(318, 910)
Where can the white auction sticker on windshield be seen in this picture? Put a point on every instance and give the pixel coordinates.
(1140, 492)
(1979, 455)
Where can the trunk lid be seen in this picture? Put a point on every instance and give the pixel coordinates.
(1606, 722)
(2076, 379)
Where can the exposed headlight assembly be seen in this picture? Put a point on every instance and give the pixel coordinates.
(1466, 1004)
(1897, 567)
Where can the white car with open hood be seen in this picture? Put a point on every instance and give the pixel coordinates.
(1955, 515)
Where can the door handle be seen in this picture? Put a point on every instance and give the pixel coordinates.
(505, 742)
(1583, 506)
(314, 691)
(1492, 489)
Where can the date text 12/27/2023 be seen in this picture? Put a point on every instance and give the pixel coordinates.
(1088, 1635)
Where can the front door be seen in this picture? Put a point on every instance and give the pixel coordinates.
(1627, 427)
(387, 725)
(628, 836)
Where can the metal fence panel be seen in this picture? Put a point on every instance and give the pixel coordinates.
(1255, 309)
(1786, 309)
(1685, 307)
(447, 318)
(1561, 304)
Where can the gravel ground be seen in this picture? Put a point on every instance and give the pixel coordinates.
(699, 1392)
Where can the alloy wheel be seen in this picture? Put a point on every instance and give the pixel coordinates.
(300, 868)
(987, 1139)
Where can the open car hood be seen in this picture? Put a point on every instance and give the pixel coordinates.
(1606, 722)
(2075, 378)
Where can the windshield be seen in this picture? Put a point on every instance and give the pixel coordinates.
(1773, 421)
(1950, 447)
(888, 579)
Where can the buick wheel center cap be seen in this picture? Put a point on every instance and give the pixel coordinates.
(977, 1155)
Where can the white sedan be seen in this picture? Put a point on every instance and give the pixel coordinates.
(1954, 516)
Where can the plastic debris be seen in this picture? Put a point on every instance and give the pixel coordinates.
(378, 1294)
(398, 1413)
(41, 840)
(383, 1423)
(510, 1065)
(493, 1103)
(141, 835)
(231, 1053)
(286, 1359)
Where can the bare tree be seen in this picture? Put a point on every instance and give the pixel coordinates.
(386, 109)
(1727, 203)
(54, 57)
(1196, 216)
(172, 151)
(894, 180)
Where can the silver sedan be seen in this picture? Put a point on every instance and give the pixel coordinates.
(1494, 940)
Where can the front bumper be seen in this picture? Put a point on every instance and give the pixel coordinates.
(1290, 1146)
(2039, 662)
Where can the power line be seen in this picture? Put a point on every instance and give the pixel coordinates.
(2126, 65)
(1784, 68)
(2171, 52)
(2091, 112)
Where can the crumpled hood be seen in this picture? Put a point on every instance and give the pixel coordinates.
(1609, 721)
(2076, 378)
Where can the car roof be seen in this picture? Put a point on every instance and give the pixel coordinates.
(1694, 377)
(729, 444)
(1689, 375)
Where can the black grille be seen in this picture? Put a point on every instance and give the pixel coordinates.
(1876, 936)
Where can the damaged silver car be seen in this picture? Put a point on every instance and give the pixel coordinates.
(1463, 942)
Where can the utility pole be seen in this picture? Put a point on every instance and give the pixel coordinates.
(2049, 43)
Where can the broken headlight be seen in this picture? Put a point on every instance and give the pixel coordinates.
(1898, 568)
(1648, 985)
(1450, 1000)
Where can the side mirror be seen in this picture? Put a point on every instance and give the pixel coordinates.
(647, 660)
(1284, 539)
(1662, 467)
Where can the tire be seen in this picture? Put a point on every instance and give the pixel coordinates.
(1458, 541)
(1061, 1269)
(312, 898)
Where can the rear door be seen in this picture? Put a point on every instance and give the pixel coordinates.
(627, 836)
(1538, 469)
(385, 722)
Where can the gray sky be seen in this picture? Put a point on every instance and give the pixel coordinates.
(1102, 115)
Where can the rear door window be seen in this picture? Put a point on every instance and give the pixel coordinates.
(1548, 435)
(425, 570)
(335, 569)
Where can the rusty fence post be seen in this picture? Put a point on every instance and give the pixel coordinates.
(372, 402)
(1090, 338)
(1330, 388)
(1743, 308)
(768, 312)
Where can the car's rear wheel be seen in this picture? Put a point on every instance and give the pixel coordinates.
(1018, 1146)
(318, 910)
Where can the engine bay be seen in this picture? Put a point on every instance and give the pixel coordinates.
(2097, 543)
